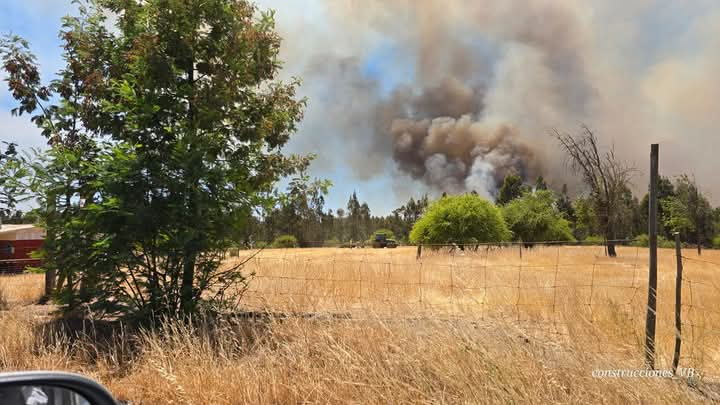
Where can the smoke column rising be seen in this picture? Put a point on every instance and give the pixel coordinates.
(468, 90)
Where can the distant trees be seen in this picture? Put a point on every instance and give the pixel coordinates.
(512, 188)
(300, 210)
(689, 212)
(535, 217)
(460, 219)
(606, 177)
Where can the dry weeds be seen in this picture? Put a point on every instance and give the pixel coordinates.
(465, 340)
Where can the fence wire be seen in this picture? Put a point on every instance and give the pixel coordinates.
(700, 315)
(550, 292)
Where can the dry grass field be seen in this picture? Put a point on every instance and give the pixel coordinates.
(379, 326)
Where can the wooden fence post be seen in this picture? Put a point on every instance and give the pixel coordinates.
(678, 303)
(419, 251)
(652, 274)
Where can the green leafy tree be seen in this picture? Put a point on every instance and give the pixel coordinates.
(540, 183)
(565, 204)
(14, 183)
(535, 217)
(355, 217)
(585, 219)
(511, 188)
(460, 219)
(666, 189)
(165, 132)
(689, 212)
(300, 209)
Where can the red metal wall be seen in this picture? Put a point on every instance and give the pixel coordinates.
(15, 254)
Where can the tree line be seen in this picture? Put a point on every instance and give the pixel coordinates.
(605, 211)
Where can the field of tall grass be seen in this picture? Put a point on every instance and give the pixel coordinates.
(378, 326)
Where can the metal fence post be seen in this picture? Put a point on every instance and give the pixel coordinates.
(678, 303)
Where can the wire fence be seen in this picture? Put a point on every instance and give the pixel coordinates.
(700, 311)
(550, 291)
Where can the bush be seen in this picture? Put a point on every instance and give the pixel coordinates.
(534, 217)
(285, 241)
(261, 245)
(643, 240)
(464, 218)
(716, 242)
(594, 240)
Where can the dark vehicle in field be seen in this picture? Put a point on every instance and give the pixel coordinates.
(382, 241)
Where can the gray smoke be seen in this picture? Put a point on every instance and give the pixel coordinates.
(477, 85)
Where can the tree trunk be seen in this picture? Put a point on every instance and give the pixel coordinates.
(611, 249)
(187, 299)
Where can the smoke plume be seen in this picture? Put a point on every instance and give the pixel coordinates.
(452, 95)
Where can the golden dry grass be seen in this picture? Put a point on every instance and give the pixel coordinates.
(472, 328)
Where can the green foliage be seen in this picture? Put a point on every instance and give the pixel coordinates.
(300, 209)
(166, 132)
(586, 224)
(716, 242)
(15, 176)
(512, 188)
(534, 217)
(540, 183)
(688, 211)
(676, 216)
(643, 240)
(285, 241)
(332, 243)
(594, 240)
(464, 218)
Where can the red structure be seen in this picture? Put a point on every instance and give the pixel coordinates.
(17, 242)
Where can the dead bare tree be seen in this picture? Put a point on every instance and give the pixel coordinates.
(606, 177)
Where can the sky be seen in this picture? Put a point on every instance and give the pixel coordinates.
(410, 97)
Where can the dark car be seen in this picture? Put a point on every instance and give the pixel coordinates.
(382, 241)
(51, 388)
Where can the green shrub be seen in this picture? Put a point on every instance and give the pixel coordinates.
(534, 217)
(285, 241)
(332, 243)
(664, 243)
(594, 240)
(466, 218)
(643, 240)
(261, 245)
(716, 242)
